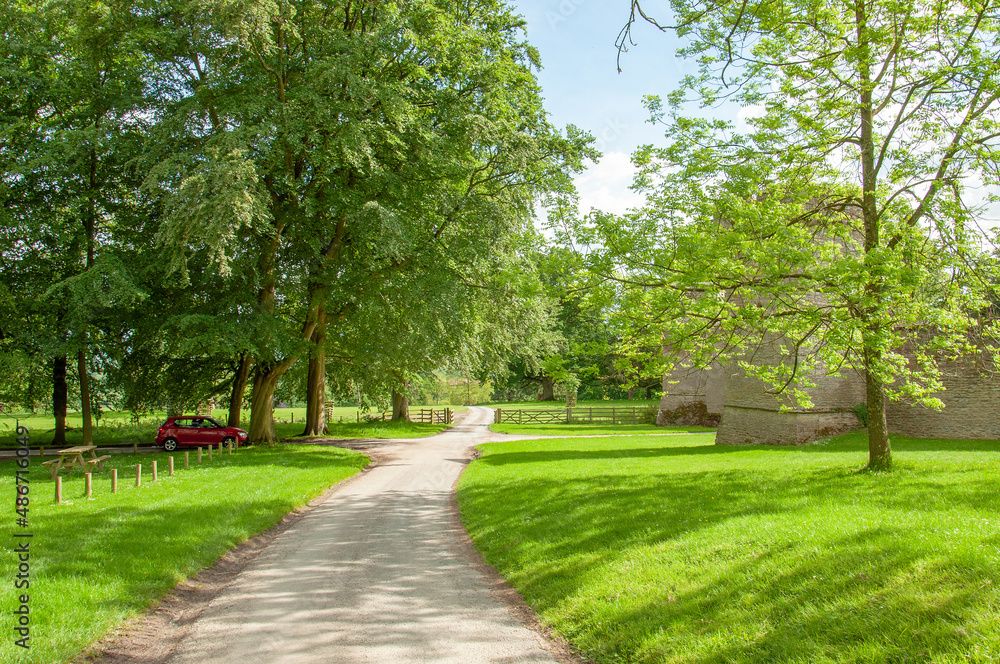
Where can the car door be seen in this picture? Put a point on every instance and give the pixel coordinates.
(210, 432)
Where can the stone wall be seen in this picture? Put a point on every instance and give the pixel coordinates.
(692, 397)
(761, 426)
(971, 398)
(746, 414)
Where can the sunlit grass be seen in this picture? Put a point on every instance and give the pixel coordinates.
(673, 549)
(118, 428)
(596, 429)
(94, 563)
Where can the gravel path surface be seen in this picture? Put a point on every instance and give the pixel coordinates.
(381, 572)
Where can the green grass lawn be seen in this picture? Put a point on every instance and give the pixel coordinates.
(673, 549)
(561, 403)
(596, 429)
(117, 428)
(364, 430)
(95, 563)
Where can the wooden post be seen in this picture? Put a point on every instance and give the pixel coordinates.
(58, 490)
(633, 414)
(229, 450)
(154, 471)
(613, 415)
(87, 486)
(186, 460)
(170, 463)
(114, 480)
(199, 455)
(569, 416)
(220, 450)
(292, 414)
(138, 474)
(41, 451)
(135, 449)
(209, 452)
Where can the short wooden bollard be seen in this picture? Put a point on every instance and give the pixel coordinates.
(154, 471)
(199, 455)
(138, 474)
(87, 486)
(229, 449)
(186, 454)
(220, 449)
(41, 451)
(170, 463)
(135, 449)
(58, 491)
(114, 480)
(209, 452)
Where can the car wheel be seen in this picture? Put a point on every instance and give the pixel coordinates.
(170, 444)
(229, 441)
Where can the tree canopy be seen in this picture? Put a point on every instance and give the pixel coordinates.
(843, 223)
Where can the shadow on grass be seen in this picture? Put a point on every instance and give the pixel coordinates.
(789, 581)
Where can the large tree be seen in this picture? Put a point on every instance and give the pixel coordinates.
(73, 97)
(842, 225)
(332, 143)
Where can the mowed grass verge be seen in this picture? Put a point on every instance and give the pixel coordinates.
(95, 563)
(117, 428)
(673, 549)
(596, 429)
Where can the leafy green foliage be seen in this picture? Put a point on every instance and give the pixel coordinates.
(839, 231)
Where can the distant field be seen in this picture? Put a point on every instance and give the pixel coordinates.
(561, 403)
(118, 428)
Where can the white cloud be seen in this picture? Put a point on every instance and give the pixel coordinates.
(605, 186)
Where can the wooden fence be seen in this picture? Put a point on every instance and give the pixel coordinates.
(422, 416)
(578, 415)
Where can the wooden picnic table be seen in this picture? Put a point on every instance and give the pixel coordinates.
(74, 456)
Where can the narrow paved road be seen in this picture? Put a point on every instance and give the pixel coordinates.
(377, 573)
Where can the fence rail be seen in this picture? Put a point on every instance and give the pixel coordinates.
(607, 415)
(421, 416)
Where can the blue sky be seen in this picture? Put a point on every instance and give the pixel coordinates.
(582, 86)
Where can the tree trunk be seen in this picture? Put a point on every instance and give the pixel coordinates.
(261, 428)
(59, 399)
(879, 453)
(400, 405)
(630, 393)
(88, 424)
(239, 387)
(649, 393)
(316, 380)
(548, 389)
(879, 450)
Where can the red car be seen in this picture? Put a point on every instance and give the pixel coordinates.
(196, 430)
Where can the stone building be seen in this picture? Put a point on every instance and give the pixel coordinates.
(747, 414)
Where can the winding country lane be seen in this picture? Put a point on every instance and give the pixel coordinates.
(378, 573)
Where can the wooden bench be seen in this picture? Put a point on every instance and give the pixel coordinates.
(97, 463)
(74, 457)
